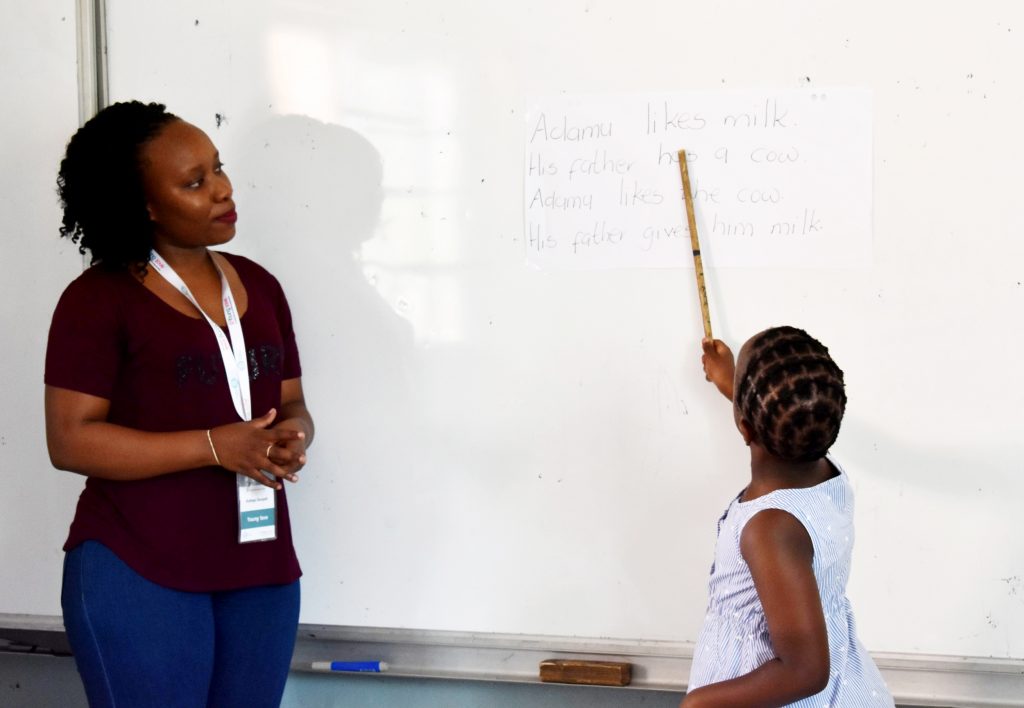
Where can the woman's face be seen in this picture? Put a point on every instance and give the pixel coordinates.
(188, 195)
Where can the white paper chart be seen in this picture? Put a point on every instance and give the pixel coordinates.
(779, 178)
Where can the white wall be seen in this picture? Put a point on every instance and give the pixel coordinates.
(40, 89)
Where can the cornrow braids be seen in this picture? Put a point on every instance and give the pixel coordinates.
(792, 394)
(100, 184)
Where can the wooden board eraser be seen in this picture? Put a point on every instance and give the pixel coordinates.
(591, 673)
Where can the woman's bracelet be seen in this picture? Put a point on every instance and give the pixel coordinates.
(212, 448)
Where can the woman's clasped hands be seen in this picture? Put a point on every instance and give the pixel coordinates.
(255, 450)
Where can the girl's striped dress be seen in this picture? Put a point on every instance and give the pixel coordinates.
(734, 640)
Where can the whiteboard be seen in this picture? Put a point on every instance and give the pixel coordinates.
(504, 447)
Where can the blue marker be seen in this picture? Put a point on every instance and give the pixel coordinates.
(358, 666)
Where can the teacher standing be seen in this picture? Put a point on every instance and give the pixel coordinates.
(173, 384)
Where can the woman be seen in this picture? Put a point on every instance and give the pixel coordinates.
(172, 384)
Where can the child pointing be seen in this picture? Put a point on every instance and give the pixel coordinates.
(779, 629)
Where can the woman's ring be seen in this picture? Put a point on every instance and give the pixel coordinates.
(267, 454)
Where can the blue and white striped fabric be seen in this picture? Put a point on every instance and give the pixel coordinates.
(734, 640)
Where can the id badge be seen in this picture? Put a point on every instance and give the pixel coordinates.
(257, 520)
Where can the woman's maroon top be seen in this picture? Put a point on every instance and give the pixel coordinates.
(162, 371)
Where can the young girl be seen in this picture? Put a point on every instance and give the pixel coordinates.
(779, 629)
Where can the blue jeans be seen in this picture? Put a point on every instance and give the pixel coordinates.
(139, 644)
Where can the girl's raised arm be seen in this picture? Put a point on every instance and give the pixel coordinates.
(719, 365)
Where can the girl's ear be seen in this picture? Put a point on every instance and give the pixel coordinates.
(746, 430)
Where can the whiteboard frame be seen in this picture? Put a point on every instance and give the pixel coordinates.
(93, 87)
(914, 680)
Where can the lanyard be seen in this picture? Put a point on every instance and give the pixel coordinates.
(257, 520)
(236, 366)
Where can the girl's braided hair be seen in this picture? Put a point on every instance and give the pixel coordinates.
(792, 394)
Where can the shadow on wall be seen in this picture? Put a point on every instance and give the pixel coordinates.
(310, 195)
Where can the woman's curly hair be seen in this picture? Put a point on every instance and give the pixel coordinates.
(100, 184)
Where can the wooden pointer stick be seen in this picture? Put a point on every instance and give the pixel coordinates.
(702, 294)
